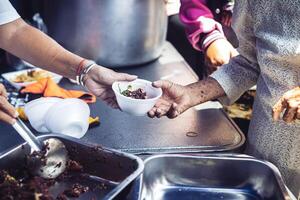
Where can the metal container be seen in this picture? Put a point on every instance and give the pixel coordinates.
(104, 166)
(115, 33)
(210, 177)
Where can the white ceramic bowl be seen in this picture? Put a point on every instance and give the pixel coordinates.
(36, 111)
(137, 107)
(68, 117)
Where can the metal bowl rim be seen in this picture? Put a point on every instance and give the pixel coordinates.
(219, 156)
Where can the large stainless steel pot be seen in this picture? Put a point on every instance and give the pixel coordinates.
(115, 33)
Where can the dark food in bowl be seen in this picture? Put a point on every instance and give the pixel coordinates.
(135, 94)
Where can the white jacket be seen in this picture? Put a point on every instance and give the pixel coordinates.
(7, 12)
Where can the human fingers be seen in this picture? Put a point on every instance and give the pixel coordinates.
(3, 90)
(162, 102)
(6, 118)
(162, 110)
(234, 53)
(7, 111)
(291, 111)
(227, 20)
(152, 112)
(113, 104)
(212, 68)
(163, 84)
(298, 113)
(106, 94)
(106, 77)
(294, 93)
(175, 110)
(217, 60)
(278, 108)
(6, 107)
(126, 77)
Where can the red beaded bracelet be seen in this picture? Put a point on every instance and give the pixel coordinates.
(80, 67)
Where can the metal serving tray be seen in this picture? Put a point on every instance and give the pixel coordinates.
(209, 177)
(104, 166)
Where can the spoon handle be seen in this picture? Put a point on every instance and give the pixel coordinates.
(27, 135)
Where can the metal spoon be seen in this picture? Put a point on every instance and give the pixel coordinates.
(47, 159)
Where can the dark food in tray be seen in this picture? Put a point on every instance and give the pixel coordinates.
(92, 173)
(135, 94)
(31, 187)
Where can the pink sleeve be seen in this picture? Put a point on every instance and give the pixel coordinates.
(201, 28)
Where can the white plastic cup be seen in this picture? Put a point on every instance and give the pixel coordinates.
(69, 117)
(36, 111)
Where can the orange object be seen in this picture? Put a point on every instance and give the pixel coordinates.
(22, 114)
(94, 121)
(49, 88)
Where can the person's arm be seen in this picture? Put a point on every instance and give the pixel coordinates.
(32, 45)
(206, 34)
(242, 72)
(228, 82)
(201, 28)
(176, 98)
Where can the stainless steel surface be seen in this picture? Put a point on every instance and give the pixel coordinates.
(210, 177)
(115, 33)
(27, 135)
(114, 169)
(17, 63)
(54, 152)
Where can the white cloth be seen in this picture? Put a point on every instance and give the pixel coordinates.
(7, 12)
(269, 47)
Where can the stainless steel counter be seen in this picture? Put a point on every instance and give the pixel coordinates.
(142, 135)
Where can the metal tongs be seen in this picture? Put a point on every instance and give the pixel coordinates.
(51, 155)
